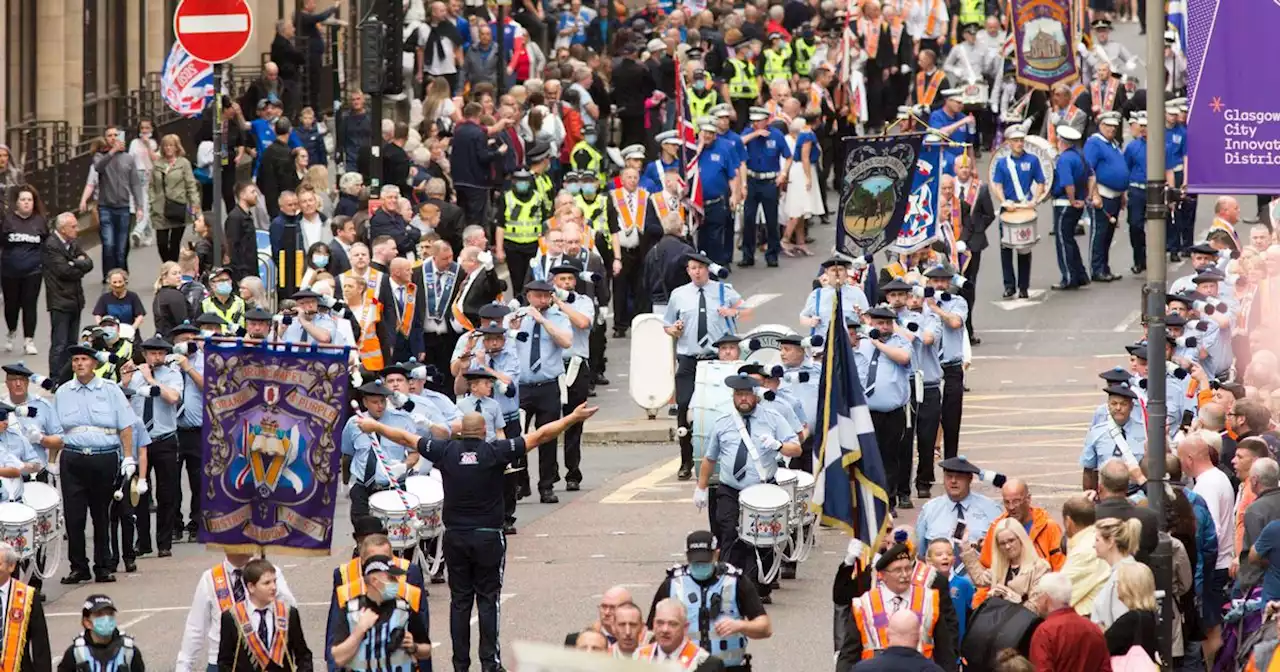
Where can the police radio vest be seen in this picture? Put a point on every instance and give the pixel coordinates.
(700, 106)
(393, 657)
(743, 84)
(592, 163)
(595, 213)
(232, 315)
(706, 604)
(123, 660)
(523, 223)
(777, 63)
(804, 56)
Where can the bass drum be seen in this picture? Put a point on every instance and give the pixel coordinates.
(760, 345)
(1036, 147)
(995, 625)
(711, 400)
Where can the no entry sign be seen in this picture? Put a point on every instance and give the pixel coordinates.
(213, 31)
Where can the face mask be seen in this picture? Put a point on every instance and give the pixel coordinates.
(589, 190)
(109, 333)
(320, 260)
(223, 288)
(146, 135)
(701, 571)
(700, 85)
(103, 626)
(574, 188)
(207, 333)
(523, 187)
(389, 591)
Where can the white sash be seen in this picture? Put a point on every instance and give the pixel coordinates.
(1126, 452)
(968, 65)
(1013, 175)
(764, 473)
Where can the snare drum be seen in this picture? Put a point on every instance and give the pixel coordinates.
(804, 495)
(18, 528)
(1018, 229)
(786, 479)
(47, 503)
(975, 95)
(430, 494)
(762, 515)
(388, 507)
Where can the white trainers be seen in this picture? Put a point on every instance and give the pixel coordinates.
(8, 343)
(30, 347)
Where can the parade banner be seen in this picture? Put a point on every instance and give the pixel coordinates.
(271, 446)
(1044, 44)
(873, 199)
(1233, 122)
(920, 223)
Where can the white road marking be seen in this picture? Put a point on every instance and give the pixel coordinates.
(1035, 296)
(618, 533)
(213, 23)
(757, 300)
(611, 389)
(543, 535)
(978, 358)
(597, 556)
(1128, 321)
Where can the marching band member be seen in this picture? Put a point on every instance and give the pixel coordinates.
(743, 456)
(386, 606)
(37, 423)
(671, 641)
(581, 313)
(1110, 180)
(190, 363)
(18, 458)
(158, 392)
(951, 310)
(479, 399)
(310, 325)
(766, 147)
(883, 357)
(926, 389)
(957, 127)
(96, 426)
(939, 516)
(349, 574)
(705, 581)
(544, 333)
(219, 589)
(1070, 188)
(367, 471)
(1121, 435)
(816, 313)
(728, 348)
(966, 62)
(1108, 52)
(262, 632)
(771, 399)
(1018, 181)
(1135, 159)
(101, 646)
(122, 518)
(669, 144)
(800, 380)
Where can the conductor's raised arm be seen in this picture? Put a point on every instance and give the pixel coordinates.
(552, 430)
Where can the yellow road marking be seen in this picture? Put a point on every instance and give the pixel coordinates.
(648, 482)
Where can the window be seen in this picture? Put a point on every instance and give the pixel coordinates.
(20, 57)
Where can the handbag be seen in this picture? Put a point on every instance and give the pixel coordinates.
(174, 211)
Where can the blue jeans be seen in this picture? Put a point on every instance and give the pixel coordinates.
(1105, 220)
(1070, 264)
(1138, 225)
(760, 193)
(716, 220)
(113, 226)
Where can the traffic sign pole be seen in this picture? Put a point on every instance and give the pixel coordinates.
(216, 230)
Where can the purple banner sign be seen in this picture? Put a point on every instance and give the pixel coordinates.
(271, 447)
(1233, 120)
(1044, 36)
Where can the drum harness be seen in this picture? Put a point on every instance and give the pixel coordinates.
(765, 477)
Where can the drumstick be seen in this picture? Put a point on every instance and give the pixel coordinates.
(381, 459)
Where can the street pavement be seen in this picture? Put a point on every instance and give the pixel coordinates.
(1033, 386)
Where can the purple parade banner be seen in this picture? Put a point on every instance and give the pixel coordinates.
(1233, 117)
(271, 446)
(1044, 37)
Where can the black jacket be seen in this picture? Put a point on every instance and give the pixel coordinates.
(287, 57)
(664, 267)
(233, 653)
(98, 652)
(169, 309)
(63, 267)
(385, 223)
(470, 156)
(347, 206)
(632, 84)
(242, 244)
(898, 659)
(451, 224)
(339, 263)
(395, 166)
(946, 645)
(483, 291)
(276, 175)
(977, 219)
(1123, 509)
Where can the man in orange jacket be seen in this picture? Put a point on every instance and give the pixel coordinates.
(1045, 533)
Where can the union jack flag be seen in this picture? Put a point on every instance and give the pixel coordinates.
(920, 222)
(687, 130)
(185, 83)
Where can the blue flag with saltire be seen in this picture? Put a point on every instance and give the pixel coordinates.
(849, 489)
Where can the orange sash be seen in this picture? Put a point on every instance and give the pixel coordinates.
(926, 93)
(257, 647)
(626, 218)
(1065, 118)
(895, 34)
(660, 203)
(15, 629)
(1104, 98)
(971, 193)
(870, 36)
(686, 656)
(406, 313)
(222, 587)
(933, 19)
(370, 346)
(458, 314)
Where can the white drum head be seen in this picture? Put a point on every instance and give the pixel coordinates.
(427, 490)
(764, 496)
(388, 502)
(41, 496)
(786, 476)
(803, 478)
(13, 513)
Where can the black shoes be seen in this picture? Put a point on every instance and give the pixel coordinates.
(572, 486)
(1022, 294)
(746, 263)
(924, 493)
(904, 502)
(165, 553)
(525, 491)
(974, 340)
(788, 571)
(105, 578)
(1173, 257)
(75, 578)
(1107, 277)
(1062, 288)
(130, 566)
(685, 473)
(509, 529)
(548, 497)
(771, 263)
(1009, 292)
(1137, 270)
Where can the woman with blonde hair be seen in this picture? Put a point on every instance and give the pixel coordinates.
(169, 308)
(1116, 542)
(1016, 569)
(1136, 591)
(317, 180)
(174, 194)
(254, 293)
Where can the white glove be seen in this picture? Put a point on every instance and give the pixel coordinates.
(128, 467)
(421, 421)
(854, 551)
(486, 259)
(143, 487)
(768, 442)
(398, 399)
(395, 470)
(700, 498)
(34, 435)
(356, 379)
(904, 69)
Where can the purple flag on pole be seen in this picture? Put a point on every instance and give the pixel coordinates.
(1044, 42)
(271, 447)
(1233, 120)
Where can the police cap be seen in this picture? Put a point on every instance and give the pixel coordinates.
(539, 151)
(1102, 24)
(521, 176)
(836, 261)
(109, 318)
(96, 603)
(959, 465)
(157, 343)
(700, 546)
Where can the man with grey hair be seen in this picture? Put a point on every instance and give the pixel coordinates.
(475, 236)
(1064, 635)
(1264, 480)
(65, 264)
(23, 610)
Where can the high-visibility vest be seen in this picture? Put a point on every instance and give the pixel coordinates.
(232, 315)
(777, 64)
(369, 316)
(973, 11)
(109, 371)
(804, 56)
(744, 84)
(595, 214)
(700, 106)
(872, 618)
(523, 223)
(592, 164)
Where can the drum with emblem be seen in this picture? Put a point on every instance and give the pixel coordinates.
(18, 528)
(397, 511)
(763, 510)
(430, 494)
(46, 501)
(761, 346)
(1018, 229)
(711, 400)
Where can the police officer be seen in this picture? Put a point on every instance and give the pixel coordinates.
(310, 325)
(1135, 159)
(102, 646)
(926, 388)
(1017, 180)
(1111, 178)
(371, 540)
(883, 357)
(803, 49)
(539, 158)
(595, 214)
(190, 361)
(669, 144)
(116, 350)
(471, 469)
(697, 315)
(800, 380)
(524, 211)
(543, 335)
(1121, 434)
(385, 624)
(740, 75)
(158, 393)
(96, 425)
(702, 95)
(717, 170)
(816, 312)
(581, 314)
(1070, 188)
(777, 59)
(714, 592)
(370, 472)
(766, 148)
(223, 301)
(585, 158)
(951, 310)
(744, 446)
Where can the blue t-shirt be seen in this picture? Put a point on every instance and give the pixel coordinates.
(1071, 170)
(1028, 170)
(1175, 147)
(962, 591)
(1135, 157)
(1268, 546)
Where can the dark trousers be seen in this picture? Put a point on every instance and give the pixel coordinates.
(541, 405)
(686, 373)
(124, 523)
(736, 552)
(64, 329)
(476, 560)
(970, 291)
(113, 226)
(576, 394)
(597, 344)
(628, 289)
(473, 201)
(169, 243)
(88, 482)
(760, 193)
(162, 459)
(1105, 220)
(1070, 264)
(1020, 281)
(511, 480)
(1183, 221)
(1137, 215)
(742, 108)
(20, 296)
(715, 221)
(928, 419)
(519, 255)
(952, 408)
(633, 130)
(439, 350)
(189, 461)
(895, 448)
(804, 462)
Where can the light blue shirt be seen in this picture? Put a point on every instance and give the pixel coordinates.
(192, 416)
(806, 393)
(141, 438)
(294, 333)
(86, 410)
(581, 337)
(164, 418)
(852, 303)
(1099, 446)
(684, 305)
(358, 446)
(925, 357)
(45, 421)
(938, 518)
(781, 405)
(891, 387)
(18, 447)
(724, 447)
(486, 407)
(952, 350)
(507, 362)
(548, 363)
(435, 405)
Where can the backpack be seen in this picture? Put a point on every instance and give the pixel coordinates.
(195, 294)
